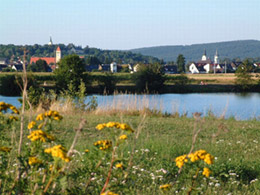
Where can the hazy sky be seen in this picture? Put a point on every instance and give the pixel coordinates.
(128, 24)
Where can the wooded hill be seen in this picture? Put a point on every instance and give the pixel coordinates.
(104, 56)
(232, 50)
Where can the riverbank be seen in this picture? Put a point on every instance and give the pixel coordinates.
(101, 83)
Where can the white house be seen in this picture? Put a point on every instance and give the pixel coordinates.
(113, 67)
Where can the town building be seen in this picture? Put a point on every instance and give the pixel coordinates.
(49, 60)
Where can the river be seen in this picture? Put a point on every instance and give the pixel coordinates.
(239, 106)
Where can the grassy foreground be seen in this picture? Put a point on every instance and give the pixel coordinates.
(141, 163)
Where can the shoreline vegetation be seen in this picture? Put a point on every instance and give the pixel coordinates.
(103, 83)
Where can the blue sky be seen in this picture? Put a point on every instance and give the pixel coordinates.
(128, 24)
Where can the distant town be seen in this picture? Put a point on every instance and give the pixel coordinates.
(46, 59)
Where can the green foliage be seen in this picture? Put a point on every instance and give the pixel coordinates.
(181, 63)
(244, 78)
(107, 82)
(70, 71)
(8, 69)
(104, 56)
(39, 66)
(92, 60)
(149, 78)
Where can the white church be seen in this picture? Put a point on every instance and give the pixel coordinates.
(205, 65)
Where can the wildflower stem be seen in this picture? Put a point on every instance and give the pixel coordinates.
(81, 125)
(193, 181)
(110, 170)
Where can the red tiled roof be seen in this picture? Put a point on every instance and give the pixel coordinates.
(49, 60)
(58, 48)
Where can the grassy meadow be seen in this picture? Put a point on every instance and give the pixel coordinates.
(141, 161)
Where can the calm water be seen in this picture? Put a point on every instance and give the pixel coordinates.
(242, 107)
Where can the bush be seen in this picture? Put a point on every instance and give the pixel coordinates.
(70, 71)
(149, 78)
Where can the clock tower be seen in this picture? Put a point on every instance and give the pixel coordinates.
(58, 54)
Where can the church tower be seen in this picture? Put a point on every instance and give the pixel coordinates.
(204, 56)
(58, 54)
(216, 58)
(50, 42)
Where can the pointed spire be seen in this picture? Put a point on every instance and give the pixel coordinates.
(205, 53)
(50, 39)
(216, 52)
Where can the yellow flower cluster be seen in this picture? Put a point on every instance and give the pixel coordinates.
(5, 149)
(180, 160)
(31, 124)
(58, 151)
(49, 114)
(33, 160)
(40, 135)
(13, 118)
(123, 137)
(206, 172)
(119, 165)
(103, 144)
(4, 107)
(197, 155)
(117, 125)
(165, 187)
(108, 193)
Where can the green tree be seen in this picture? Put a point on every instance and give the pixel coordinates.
(70, 71)
(92, 60)
(39, 66)
(149, 78)
(243, 76)
(181, 63)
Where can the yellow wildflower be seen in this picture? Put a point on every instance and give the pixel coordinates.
(58, 151)
(108, 193)
(40, 135)
(165, 186)
(40, 125)
(119, 165)
(123, 137)
(13, 118)
(5, 149)
(181, 160)
(31, 124)
(87, 150)
(40, 117)
(126, 127)
(206, 172)
(208, 159)
(101, 126)
(117, 125)
(4, 107)
(53, 114)
(33, 160)
(103, 144)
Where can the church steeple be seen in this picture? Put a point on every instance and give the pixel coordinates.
(216, 58)
(204, 56)
(50, 42)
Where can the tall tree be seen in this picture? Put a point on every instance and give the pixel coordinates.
(70, 71)
(243, 76)
(39, 66)
(181, 63)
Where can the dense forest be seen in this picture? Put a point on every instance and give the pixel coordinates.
(232, 50)
(104, 56)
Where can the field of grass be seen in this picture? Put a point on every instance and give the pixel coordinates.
(139, 164)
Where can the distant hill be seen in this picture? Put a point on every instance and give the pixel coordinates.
(104, 56)
(231, 49)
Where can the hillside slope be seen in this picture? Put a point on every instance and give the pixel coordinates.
(232, 49)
